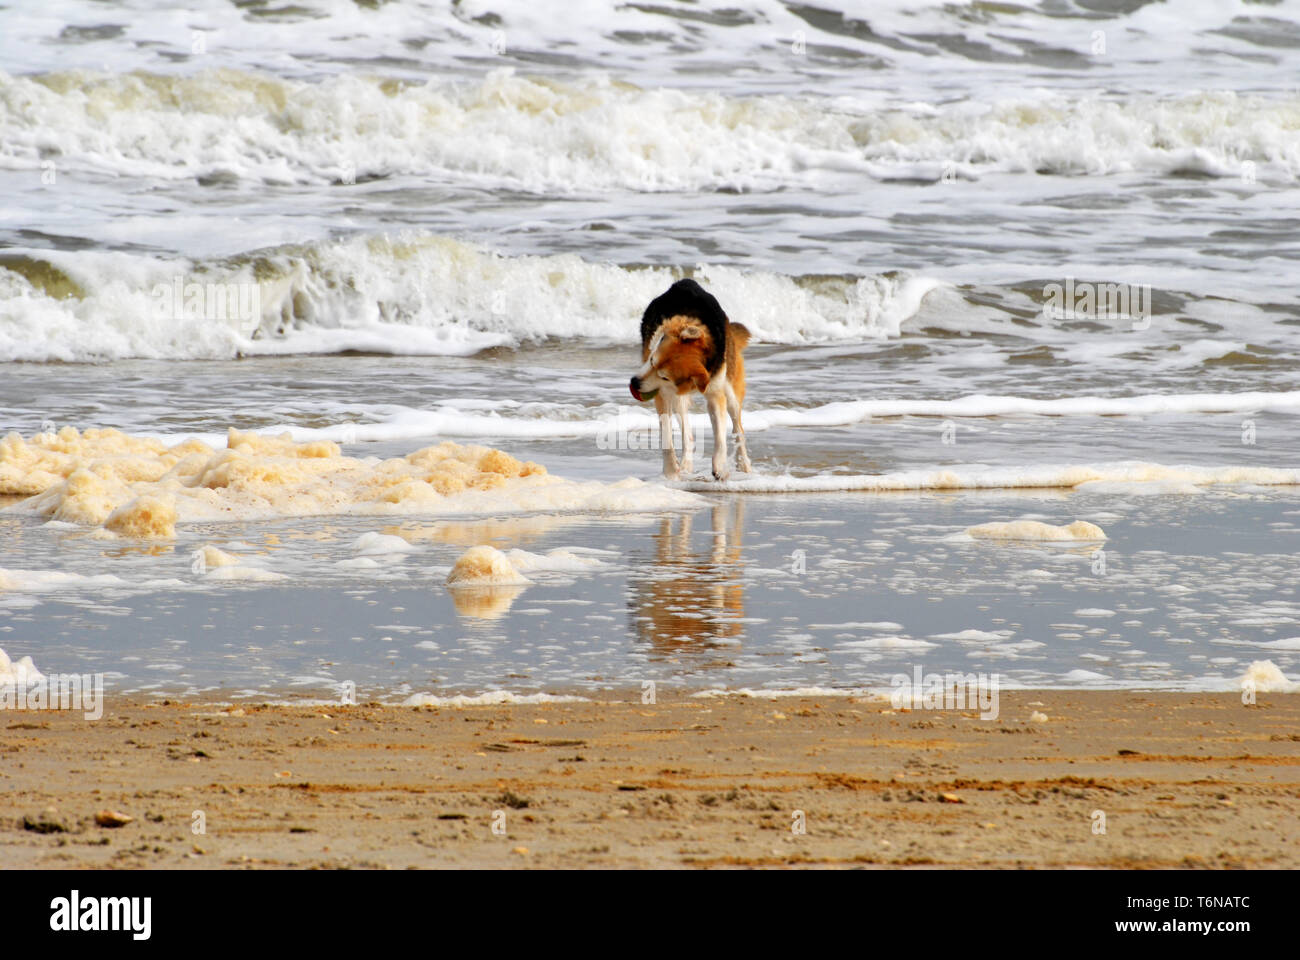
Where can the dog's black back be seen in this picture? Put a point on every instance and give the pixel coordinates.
(687, 298)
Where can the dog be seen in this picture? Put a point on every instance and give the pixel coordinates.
(689, 346)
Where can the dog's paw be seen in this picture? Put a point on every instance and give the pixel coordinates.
(721, 475)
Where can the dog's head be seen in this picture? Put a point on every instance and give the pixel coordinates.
(677, 356)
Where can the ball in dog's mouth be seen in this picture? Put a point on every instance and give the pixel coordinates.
(643, 395)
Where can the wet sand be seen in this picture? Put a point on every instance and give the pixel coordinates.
(1196, 781)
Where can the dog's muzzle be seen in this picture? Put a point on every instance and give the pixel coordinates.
(635, 387)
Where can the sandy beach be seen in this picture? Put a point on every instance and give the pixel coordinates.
(1175, 780)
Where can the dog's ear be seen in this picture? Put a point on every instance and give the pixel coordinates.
(701, 380)
(691, 333)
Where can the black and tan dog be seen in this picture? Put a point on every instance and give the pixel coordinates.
(688, 345)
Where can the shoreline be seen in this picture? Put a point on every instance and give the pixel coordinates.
(689, 783)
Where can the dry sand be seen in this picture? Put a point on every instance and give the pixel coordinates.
(1183, 781)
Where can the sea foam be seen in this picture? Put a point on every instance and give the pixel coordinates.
(411, 293)
(981, 477)
(140, 487)
(22, 672)
(597, 134)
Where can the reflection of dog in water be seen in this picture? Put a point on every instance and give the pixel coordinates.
(687, 599)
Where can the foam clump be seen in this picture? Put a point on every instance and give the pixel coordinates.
(214, 557)
(1264, 676)
(379, 544)
(23, 672)
(484, 566)
(141, 487)
(146, 517)
(559, 560)
(28, 468)
(220, 565)
(1079, 530)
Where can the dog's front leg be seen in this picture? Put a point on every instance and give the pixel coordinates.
(717, 416)
(671, 471)
(683, 404)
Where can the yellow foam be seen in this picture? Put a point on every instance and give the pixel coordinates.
(140, 487)
(1265, 677)
(484, 566)
(147, 517)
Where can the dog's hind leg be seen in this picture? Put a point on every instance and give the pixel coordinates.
(717, 416)
(683, 404)
(742, 451)
(671, 471)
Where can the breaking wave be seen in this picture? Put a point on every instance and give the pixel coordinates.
(596, 133)
(415, 294)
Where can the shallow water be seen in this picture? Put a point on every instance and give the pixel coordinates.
(1184, 594)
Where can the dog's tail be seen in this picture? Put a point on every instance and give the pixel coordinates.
(738, 334)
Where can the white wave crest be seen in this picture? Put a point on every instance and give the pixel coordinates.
(415, 294)
(599, 134)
